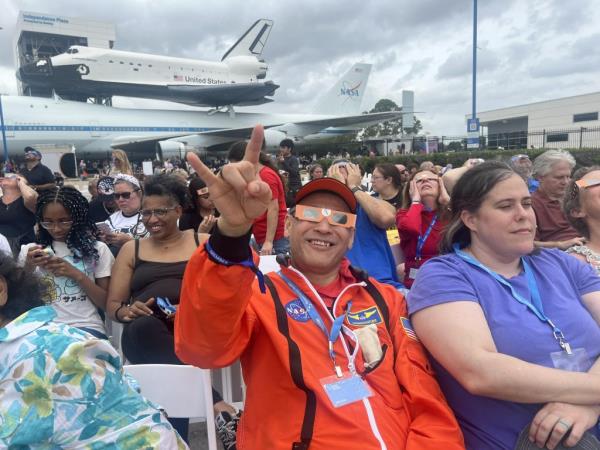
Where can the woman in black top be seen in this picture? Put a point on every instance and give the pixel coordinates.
(17, 211)
(152, 268)
(201, 215)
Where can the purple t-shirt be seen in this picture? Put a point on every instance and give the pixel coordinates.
(495, 424)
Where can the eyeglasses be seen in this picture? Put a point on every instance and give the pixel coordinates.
(50, 225)
(158, 212)
(124, 195)
(312, 214)
(422, 180)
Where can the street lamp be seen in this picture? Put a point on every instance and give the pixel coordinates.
(473, 122)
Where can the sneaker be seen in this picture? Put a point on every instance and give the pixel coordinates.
(226, 428)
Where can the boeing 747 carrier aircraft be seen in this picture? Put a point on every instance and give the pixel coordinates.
(236, 80)
(97, 128)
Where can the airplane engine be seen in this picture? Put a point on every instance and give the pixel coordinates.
(247, 65)
(273, 138)
(164, 149)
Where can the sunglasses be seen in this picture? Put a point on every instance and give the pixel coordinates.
(158, 212)
(124, 195)
(584, 184)
(312, 214)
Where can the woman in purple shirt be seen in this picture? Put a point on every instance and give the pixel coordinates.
(513, 331)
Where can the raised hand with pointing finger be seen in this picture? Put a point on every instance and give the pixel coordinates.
(237, 191)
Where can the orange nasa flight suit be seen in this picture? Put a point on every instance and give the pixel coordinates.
(223, 316)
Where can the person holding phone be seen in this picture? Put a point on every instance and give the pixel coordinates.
(126, 223)
(74, 264)
(17, 211)
(153, 268)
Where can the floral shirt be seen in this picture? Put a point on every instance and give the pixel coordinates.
(61, 388)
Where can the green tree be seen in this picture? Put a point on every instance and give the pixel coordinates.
(391, 128)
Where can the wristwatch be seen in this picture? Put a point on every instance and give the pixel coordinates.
(357, 188)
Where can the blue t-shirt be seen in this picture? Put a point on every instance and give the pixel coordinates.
(488, 423)
(371, 251)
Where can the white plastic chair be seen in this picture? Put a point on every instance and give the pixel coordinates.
(268, 264)
(182, 391)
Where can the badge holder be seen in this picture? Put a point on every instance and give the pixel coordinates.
(345, 388)
(575, 361)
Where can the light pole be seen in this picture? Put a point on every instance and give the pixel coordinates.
(473, 122)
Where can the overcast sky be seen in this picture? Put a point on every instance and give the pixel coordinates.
(528, 50)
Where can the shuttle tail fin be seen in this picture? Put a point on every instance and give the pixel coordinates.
(252, 41)
(345, 97)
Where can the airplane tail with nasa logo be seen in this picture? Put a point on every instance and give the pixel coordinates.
(346, 96)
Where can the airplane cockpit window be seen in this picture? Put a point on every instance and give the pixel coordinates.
(72, 51)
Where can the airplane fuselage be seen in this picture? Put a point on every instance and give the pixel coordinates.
(94, 128)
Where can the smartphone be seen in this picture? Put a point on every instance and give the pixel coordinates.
(164, 304)
(48, 251)
(103, 227)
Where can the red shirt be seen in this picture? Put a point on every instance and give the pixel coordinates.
(259, 229)
(552, 225)
(412, 223)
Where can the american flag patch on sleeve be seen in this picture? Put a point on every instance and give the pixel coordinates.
(408, 329)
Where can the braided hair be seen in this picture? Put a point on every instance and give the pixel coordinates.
(83, 234)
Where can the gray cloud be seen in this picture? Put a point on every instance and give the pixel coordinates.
(530, 50)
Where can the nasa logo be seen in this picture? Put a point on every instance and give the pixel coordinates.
(364, 317)
(350, 91)
(83, 69)
(296, 310)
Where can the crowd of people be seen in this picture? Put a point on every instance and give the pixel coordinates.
(416, 308)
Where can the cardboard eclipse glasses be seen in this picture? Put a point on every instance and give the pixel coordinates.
(314, 214)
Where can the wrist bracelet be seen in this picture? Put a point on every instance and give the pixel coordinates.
(249, 263)
(117, 313)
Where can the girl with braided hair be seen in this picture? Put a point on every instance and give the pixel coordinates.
(74, 264)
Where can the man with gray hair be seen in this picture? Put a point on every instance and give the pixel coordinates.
(553, 170)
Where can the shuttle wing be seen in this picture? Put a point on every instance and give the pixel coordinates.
(241, 94)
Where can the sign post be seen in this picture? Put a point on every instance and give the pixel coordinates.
(473, 133)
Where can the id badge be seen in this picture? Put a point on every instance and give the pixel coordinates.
(345, 390)
(578, 361)
(412, 273)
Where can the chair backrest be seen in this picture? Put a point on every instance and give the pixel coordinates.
(182, 391)
(268, 263)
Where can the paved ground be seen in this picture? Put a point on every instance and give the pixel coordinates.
(198, 440)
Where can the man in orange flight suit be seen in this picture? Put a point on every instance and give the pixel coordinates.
(329, 357)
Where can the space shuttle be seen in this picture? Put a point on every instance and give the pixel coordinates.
(236, 80)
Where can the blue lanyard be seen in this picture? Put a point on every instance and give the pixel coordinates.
(423, 238)
(535, 305)
(332, 335)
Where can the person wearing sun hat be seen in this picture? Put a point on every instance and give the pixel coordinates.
(368, 386)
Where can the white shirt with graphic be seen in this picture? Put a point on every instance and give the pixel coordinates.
(72, 305)
(122, 224)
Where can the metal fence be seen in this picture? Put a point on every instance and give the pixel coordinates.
(583, 137)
